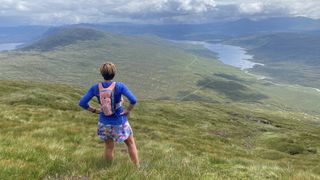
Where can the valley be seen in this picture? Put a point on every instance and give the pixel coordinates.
(196, 117)
(154, 68)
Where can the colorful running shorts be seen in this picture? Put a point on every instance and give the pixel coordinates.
(118, 133)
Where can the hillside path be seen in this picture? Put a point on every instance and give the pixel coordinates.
(195, 58)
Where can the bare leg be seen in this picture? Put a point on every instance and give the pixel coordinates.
(132, 149)
(108, 151)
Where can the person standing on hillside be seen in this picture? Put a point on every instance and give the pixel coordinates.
(113, 125)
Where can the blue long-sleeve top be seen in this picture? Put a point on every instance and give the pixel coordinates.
(120, 89)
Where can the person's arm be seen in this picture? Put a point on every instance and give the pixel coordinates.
(130, 96)
(84, 101)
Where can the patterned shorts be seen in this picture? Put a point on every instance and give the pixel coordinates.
(118, 133)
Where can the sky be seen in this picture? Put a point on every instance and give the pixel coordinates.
(59, 12)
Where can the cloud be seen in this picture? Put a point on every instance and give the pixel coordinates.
(251, 8)
(306, 8)
(56, 12)
(190, 6)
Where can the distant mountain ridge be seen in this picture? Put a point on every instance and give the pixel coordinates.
(208, 31)
(241, 27)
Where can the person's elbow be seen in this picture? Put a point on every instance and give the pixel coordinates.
(133, 101)
(83, 104)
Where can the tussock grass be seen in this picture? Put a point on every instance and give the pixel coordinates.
(176, 140)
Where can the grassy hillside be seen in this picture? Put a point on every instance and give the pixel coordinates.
(289, 57)
(43, 134)
(153, 68)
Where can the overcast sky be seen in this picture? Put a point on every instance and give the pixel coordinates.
(57, 12)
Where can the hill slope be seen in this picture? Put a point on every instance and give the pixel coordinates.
(43, 134)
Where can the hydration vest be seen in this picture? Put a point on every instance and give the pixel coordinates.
(108, 106)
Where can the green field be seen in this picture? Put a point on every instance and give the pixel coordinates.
(45, 135)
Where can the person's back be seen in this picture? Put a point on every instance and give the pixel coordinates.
(112, 126)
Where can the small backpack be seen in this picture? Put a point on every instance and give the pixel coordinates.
(107, 99)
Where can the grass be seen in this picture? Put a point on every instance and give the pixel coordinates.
(54, 139)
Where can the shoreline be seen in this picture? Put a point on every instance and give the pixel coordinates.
(318, 90)
(243, 62)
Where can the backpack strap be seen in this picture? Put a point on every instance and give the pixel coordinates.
(111, 87)
(100, 86)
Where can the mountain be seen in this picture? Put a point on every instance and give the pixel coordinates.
(45, 135)
(289, 57)
(59, 37)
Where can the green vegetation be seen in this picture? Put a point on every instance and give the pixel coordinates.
(44, 134)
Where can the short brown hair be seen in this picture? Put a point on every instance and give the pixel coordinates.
(108, 70)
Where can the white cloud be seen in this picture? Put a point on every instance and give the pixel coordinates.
(197, 6)
(308, 8)
(22, 7)
(251, 8)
